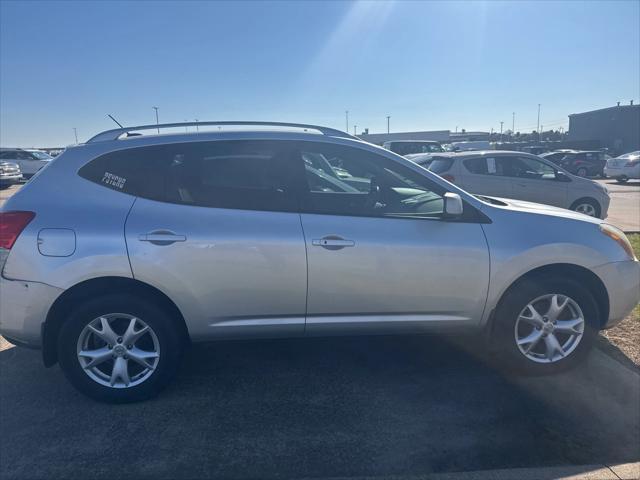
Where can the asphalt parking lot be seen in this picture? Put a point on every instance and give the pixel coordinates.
(334, 407)
(624, 210)
(319, 408)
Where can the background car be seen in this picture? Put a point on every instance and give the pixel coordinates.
(521, 176)
(583, 163)
(470, 145)
(624, 167)
(9, 174)
(29, 160)
(407, 147)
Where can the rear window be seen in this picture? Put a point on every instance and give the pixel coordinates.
(440, 164)
(252, 175)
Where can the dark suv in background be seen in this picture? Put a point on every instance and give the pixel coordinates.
(584, 163)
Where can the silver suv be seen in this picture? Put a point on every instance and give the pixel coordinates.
(127, 248)
(520, 176)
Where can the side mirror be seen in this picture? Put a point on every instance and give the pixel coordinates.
(562, 177)
(452, 205)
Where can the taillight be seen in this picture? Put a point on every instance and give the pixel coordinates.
(11, 226)
(449, 178)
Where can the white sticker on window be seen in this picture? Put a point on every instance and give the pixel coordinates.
(113, 180)
(491, 165)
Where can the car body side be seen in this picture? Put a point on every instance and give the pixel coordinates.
(517, 242)
(566, 194)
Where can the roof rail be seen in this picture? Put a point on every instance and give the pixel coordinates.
(116, 133)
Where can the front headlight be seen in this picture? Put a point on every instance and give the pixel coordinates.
(619, 237)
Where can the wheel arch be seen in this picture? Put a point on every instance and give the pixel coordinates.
(568, 271)
(100, 286)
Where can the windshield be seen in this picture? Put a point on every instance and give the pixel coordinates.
(408, 148)
(40, 155)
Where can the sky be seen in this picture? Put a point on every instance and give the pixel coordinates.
(429, 65)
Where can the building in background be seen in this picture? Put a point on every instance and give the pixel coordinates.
(615, 128)
(441, 136)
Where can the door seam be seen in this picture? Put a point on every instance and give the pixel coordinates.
(124, 234)
(306, 257)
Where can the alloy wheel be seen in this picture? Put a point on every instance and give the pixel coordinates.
(587, 209)
(118, 350)
(549, 328)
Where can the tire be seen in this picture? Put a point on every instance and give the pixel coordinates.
(582, 172)
(588, 206)
(508, 328)
(137, 382)
(622, 179)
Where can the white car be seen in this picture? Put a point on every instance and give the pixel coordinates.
(624, 167)
(521, 176)
(29, 160)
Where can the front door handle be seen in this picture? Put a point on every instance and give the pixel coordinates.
(332, 242)
(161, 237)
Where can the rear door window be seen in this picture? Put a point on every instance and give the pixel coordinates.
(250, 175)
(496, 166)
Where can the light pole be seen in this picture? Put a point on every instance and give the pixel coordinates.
(346, 112)
(75, 132)
(539, 134)
(388, 117)
(197, 130)
(501, 123)
(513, 123)
(538, 122)
(354, 129)
(157, 122)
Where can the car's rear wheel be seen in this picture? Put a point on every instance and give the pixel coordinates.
(582, 172)
(587, 206)
(622, 179)
(546, 325)
(119, 348)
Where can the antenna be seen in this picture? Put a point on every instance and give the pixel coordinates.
(117, 122)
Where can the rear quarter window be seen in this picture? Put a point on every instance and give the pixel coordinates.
(136, 171)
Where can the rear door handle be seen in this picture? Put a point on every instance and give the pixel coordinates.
(161, 237)
(332, 242)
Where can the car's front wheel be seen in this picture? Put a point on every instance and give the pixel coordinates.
(546, 325)
(622, 179)
(588, 206)
(119, 348)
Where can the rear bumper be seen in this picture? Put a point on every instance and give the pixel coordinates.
(23, 309)
(622, 280)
